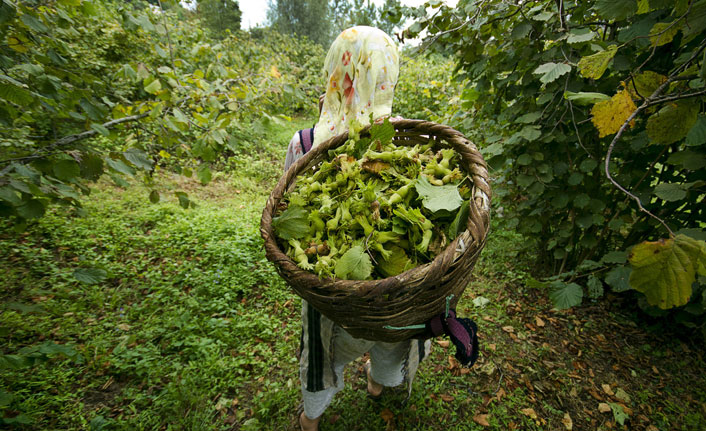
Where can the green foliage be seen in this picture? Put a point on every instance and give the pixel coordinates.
(354, 264)
(92, 88)
(186, 294)
(349, 13)
(310, 18)
(323, 20)
(292, 223)
(438, 198)
(548, 91)
(565, 295)
(665, 270)
(427, 90)
(220, 16)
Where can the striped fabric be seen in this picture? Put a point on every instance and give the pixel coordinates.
(306, 139)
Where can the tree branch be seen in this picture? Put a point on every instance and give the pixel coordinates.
(169, 40)
(77, 137)
(653, 99)
(676, 97)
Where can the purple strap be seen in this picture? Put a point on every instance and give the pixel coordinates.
(306, 138)
(461, 331)
(437, 327)
(458, 331)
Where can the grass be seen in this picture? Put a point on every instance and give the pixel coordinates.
(192, 329)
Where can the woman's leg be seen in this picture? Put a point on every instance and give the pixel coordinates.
(392, 364)
(326, 350)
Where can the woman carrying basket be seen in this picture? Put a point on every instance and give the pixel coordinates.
(361, 68)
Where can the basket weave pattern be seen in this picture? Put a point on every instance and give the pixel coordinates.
(363, 308)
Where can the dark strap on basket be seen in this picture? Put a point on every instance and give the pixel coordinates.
(306, 139)
(462, 332)
(315, 368)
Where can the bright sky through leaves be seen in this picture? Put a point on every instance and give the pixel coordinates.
(255, 11)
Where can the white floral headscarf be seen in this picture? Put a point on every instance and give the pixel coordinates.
(361, 71)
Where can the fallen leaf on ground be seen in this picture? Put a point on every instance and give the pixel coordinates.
(531, 413)
(446, 397)
(539, 322)
(500, 394)
(622, 395)
(492, 346)
(651, 428)
(607, 389)
(124, 326)
(508, 329)
(387, 415)
(481, 420)
(603, 407)
(628, 411)
(443, 343)
(568, 423)
(453, 363)
(333, 419)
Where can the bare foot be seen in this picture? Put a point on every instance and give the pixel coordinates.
(374, 388)
(307, 424)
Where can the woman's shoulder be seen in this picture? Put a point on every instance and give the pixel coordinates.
(296, 138)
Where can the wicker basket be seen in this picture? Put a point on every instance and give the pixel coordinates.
(364, 308)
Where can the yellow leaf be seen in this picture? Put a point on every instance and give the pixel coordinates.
(609, 115)
(18, 43)
(664, 270)
(646, 83)
(643, 7)
(443, 343)
(568, 423)
(481, 420)
(530, 413)
(594, 65)
(663, 33)
(274, 72)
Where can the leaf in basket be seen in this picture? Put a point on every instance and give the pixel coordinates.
(293, 223)
(460, 221)
(354, 264)
(397, 263)
(361, 146)
(436, 198)
(383, 132)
